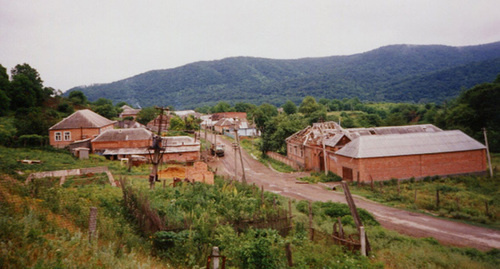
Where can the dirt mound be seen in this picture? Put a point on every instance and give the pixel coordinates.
(173, 171)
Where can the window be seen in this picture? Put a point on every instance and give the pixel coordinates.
(57, 136)
(67, 136)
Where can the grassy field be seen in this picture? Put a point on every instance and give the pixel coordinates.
(44, 225)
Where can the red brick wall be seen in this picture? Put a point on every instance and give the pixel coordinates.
(417, 166)
(101, 145)
(76, 134)
(182, 157)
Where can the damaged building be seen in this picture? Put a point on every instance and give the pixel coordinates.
(382, 153)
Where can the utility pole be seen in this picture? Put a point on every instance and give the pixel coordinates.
(158, 150)
(487, 151)
(243, 179)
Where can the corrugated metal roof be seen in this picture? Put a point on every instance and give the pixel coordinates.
(123, 135)
(82, 119)
(409, 144)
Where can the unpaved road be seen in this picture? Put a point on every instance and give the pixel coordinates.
(414, 224)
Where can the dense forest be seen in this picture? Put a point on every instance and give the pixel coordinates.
(397, 73)
(28, 109)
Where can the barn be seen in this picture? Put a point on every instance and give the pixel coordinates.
(409, 155)
(382, 153)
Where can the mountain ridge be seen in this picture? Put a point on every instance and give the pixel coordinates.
(395, 73)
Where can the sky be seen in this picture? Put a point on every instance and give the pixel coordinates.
(73, 43)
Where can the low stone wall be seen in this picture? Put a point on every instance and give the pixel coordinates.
(283, 159)
(72, 172)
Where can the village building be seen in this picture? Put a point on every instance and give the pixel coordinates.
(231, 115)
(81, 125)
(382, 153)
(155, 124)
(129, 112)
(126, 143)
(185, 113)
(115, 141)
(227, 127)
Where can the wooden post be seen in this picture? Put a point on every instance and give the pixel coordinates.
(399, 188)
(243, 179)
(354, 212)
(215, 257)
(341, 229)
(288, 251)
(362, 239)
(311, 231)
(486, 207)
(371, 183)
(437, 198)
(487, 151)
(164, 182)
(235, 162)
(290, 214)
(262, 194)
(415, 197)
(92, 223)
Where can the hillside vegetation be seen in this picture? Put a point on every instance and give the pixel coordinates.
(44, 225)
(398, 73)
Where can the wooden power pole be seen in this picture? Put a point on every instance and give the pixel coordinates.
(158, 150)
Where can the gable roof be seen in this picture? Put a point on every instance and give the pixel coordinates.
(372, 146)
(85, 118)
(123, 135)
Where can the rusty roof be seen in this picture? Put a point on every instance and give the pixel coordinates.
(85, 118)
(373, 146)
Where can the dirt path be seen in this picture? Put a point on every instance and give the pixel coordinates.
(414, 224)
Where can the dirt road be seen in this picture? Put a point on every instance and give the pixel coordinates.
(414, 224)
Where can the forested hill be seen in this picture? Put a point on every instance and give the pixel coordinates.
(396, 73)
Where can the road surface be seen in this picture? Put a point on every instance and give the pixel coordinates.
(410, 223)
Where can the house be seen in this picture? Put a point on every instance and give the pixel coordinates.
(185, 113)
(123, 143)
(114, 139)
(231, 115)
(382, 153)
(129, 112)
(154, 124)
(81, 125)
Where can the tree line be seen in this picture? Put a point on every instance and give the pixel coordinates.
(28, 109)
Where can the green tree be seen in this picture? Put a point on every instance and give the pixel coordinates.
(78, 98)
(221, 107)
(26, 88)
(4, 85)
(244, 107)
(177, 124)
(146, 115)
(289, 107)
(308, 106)
(106, 110)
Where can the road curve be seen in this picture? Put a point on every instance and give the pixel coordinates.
(410, 223)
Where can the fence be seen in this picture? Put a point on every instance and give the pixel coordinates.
(283, 159)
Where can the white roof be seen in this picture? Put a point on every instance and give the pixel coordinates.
(372, 146)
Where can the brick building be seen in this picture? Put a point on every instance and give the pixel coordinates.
(123, 143)
(382, 153)
(81, 125)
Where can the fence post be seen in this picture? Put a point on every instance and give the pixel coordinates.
(288, 251)
(290, 213)
(437, 198)
(215, 256)
(311, 231)
(92, 223)
(362, 239)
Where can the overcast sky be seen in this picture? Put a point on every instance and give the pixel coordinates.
(74, 43)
